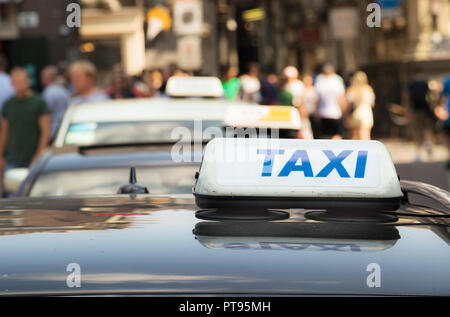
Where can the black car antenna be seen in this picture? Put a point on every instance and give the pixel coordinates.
(133, 187)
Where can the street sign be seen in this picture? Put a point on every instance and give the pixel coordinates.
(344, 23)
(189, 49)
(391, 9)
(28, 20)
(188, 17)
(389, 4)
(254, 15)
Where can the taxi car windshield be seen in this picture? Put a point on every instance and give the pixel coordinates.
(89, 133)
(159, 180)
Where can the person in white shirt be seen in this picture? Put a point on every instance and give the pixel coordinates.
(55, 95)
(296, 90)
(293, 85)
(332, 102)
(6, 88)
(310, 101)
(250, 85)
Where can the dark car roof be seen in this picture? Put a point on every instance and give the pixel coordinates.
(156, 245)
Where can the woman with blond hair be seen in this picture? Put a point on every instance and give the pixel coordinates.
(361, 98)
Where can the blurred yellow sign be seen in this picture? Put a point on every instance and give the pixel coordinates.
(277, 114)
(256, 116)
(158, 20)
(254, 15)
(162, 14)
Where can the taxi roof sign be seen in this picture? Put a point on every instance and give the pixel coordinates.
(181, 86)
(282, 173)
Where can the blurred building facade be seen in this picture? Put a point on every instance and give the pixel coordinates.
(34, 34)
(306, 33)
(112, 31)
(275, 33)
(204, 35)
(417, 36)
(124, 31)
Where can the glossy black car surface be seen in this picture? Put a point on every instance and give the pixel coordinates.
(144, 244)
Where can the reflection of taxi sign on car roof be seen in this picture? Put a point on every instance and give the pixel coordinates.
(279, 173)
(296, 236)
(179, 86)
(280, 117)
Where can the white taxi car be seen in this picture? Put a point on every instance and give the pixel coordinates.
(194, 103)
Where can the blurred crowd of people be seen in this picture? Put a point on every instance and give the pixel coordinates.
(331, 109)
(429, 108)
(328, 107)
(30, 121)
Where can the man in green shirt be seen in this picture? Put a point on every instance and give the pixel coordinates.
(25, 126)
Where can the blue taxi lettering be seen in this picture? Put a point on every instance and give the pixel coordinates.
(361, 164)
(335, 163)
(292, 166)
(268, 160)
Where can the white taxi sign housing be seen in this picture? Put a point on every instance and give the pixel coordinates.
(279, 173)
(180, 86)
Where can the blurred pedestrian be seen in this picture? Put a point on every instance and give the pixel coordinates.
(293, 94)
(310, 101)
(251, 85)
(26, 124)
(178, 72)
(361, 99)
(167, 72)
(422, 115)
(6, 89)
(435, 101)
(434, 96)
(156, 82)
(151, 84)
(293, 85)
(140, 86)
(56, 96)
(269, 90)
(231, 83)
(332, 102)
(120, 87)
(443, 112)
(83, 76)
